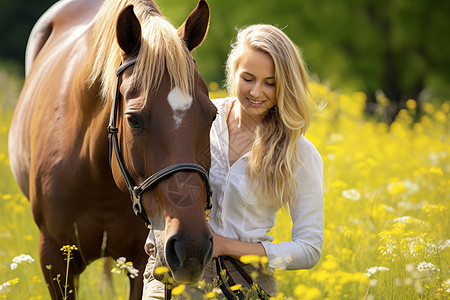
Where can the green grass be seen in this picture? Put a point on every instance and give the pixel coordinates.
(386, 194)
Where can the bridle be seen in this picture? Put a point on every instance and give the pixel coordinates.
(137, 191)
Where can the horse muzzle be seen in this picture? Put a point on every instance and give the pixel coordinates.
(185, 255)
(187, 259)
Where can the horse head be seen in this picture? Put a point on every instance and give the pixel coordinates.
(160, 124)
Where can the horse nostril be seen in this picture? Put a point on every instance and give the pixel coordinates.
(174, 252)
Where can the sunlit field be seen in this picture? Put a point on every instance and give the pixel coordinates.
(386, 193)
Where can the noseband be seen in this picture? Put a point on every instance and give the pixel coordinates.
(137, 191)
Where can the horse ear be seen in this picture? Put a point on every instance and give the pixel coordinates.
(193, 30)
(128, 31)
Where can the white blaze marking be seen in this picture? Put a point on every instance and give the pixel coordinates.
(179, 103)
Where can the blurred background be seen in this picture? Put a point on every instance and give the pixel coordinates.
(396, 49)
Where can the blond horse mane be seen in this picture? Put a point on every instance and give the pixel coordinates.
(161, 48)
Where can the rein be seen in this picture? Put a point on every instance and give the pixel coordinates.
(137, 191)
(226, 281)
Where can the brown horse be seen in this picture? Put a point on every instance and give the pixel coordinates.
(159, 116)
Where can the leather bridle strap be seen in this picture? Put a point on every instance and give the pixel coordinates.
(113, 130)
(167, 292)
(226, 281)
(137, 191)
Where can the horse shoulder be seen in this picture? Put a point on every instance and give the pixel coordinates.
(50, 44)
(63, 16)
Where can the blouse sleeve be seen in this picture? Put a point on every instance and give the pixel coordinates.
(306, 211)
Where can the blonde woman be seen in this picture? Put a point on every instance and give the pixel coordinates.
(261, 162)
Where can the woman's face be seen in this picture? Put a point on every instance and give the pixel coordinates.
(255, 82)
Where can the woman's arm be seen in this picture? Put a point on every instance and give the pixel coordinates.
(235, 248)
(307, 213)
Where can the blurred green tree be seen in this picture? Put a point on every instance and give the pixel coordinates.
(16, 21)
(395, 47)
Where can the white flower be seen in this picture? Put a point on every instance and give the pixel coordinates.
(8, 283)
(411, 187)
(442, 245)
(425, 267)
(20, 259)
(4, 285)
(121, 260)
(23, 258)
(372, 270)
(351, 194)
(122, 264)
(404, 220)
(447, 286)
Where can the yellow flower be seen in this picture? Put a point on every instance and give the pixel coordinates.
(264, 260)
(236, 287)
(161, 270)
(13, 281)
(440, 117)
(411, 104)
(313, 293)
(330, 263)
(214, 86)
(338, 184)
(437, 171)
(434, 208)
(428, 108)
(396, 188)
(68, 248)
(6, 197)
(303, 292)
(178, 289)
(251, 259)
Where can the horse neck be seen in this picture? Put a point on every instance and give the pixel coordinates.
(92, 118)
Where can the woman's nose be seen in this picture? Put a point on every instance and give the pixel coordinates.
(255, 90)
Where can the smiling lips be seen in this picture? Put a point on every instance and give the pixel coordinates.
(255, 102)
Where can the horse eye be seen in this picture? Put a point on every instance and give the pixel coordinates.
(133, 121)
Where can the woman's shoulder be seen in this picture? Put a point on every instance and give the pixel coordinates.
(308, 153)
(224, 106)
(305, 145)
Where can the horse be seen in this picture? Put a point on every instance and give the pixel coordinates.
(86, 138)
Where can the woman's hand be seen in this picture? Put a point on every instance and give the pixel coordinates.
(235, 248)
(218, 245)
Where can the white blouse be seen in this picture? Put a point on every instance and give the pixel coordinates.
(238, 214)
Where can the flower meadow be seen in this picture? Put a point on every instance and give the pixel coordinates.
(386, 196)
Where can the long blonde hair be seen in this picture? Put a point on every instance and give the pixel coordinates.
(274, 156)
